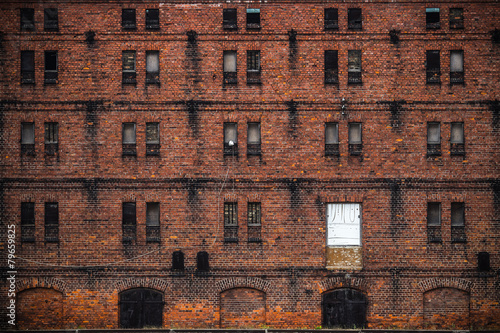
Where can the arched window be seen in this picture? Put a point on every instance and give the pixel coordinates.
(344, 308)
(178, 260)
(141, 307)
(202, 262)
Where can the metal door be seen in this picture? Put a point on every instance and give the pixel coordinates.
(141, 308)
(344, 308)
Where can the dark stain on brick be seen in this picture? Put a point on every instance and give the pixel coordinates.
(495, 186)
(193, 121)
(495, 110)
(292, 49)
(193, 199)
(396, 108)
(192, 65)
(292, 118)
(91, 190)
(92, 126)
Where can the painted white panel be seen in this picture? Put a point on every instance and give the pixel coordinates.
(343, 224)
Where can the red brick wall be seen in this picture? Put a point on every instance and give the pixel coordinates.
(39, 308)
(242, 307)
(445, 305)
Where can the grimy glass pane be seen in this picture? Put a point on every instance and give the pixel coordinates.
(354, 60)
(433, 213)
(253, 213)
(433, 133)
(229, 61)
(28, 133)
(354, 15)
(230, 132)
(354, 133)
(229, 16)
(128, 61)
(51, 132)
(230, 214)
(331, 59)
(153, 214)
(331, 14)
(457, 61)
(28, 61)
(152, 61)
(152, 133)
(331, 133)
(253, 60)
(457, 214)
(129, 133)
(129, 213)
(457, 133)
(254, 133)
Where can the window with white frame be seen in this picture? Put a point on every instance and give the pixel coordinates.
(343, 224)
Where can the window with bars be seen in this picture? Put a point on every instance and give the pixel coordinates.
(433, 67)
(457, 67)
(456, 18)
(354, 67)
(153, 139)
(332, 139)
(254, 222)
(27, 67)
(457, 139)
(231, 139)
(27, 222)
(433, 139)
(253, 67)
(28, 138)
(51, 138)
(51, 67)
(331, 19)
(152, 67)
(128, 19)
(434, 222)
(432, 18)
(129, 222)
(331, 67)
(253, 139)
(253, 18)
(354, 19)
(458, 222)
(51, 222)
(27, 19)
(355, 140)
(230, 222)
(152, 19)
(230, 18)
(50, 19)
(230, 73)
(128, 67)
(152, 221)
(129, 139)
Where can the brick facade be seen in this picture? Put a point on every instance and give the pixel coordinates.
(66, 188)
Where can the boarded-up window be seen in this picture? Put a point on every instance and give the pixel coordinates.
(27, 67)
(153, 222)
(152, 19)
(343, 224)
(446, 308)
(50, 19)
(27, 221)
(242, 308)
(432, 18)
(39, 309)
(51, 222)
(331, 18)
(253, 139)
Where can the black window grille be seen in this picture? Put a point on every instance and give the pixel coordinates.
(51, 222)
(254, 222)
(229, 18)
(152, 19)
(27, 221)
(253, 67)
(128, 19)
(331, 19)
(129, 222)
(230, 222)
(50, 22)
(51, 67)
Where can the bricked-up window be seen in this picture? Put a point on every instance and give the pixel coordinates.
(331, 67)
(230, 139)
(456, 18)
(458, 222)
(434, 222)
(355, 140)
(28, 138)
(27, 221)
(152, 67)
(50, 19)
(354, 67)
(153, 138)
(457, 139)
(354, 20)
(152, 222)
(128, 67)
(230, 222)
(433, 67)
(50, 67)
(27, 67)
(432, 18)
(457, 67)
(433, 139)
(331, 19)
(128, 139)
(253, 18)
(254, 222)
(343, 224)
(253, 67)
(51, 222)
(178, 260)
(230, 76)
(253, 139)
(230, 18)
(332, 139)
(51, 138)
(129, 222)
(202, 264)
(27, 19)
(152, 19)
(128, 19)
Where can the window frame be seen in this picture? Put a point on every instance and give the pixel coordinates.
(331, 66)
(253, 18)
(432, 20)
(152, 21)
(254, 222)
(457, 221)
(331, 23)
(27, 19)
(433, 66)
(50, 71)
(456, 22)
(27, 60)
(129, 222)
(51, 138)
(354, 22)
(334, 228)
(230, 216)
(153, 146)
(129, 147)
(457, 147)
(129, 76)
(153, 77)
(51, 222)
(254, 147)
(332, 147)
(433, 224)
(28, 222)
(355, 146)
(153, 225)
(28, 146)
(230, 150)
(354, 75)
(253, 67)
(457, 76)
(50, 19)
(129, 19)
(230, 18)
(230, 77)
(433, 146)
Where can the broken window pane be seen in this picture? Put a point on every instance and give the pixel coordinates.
(152, 133)
(129, 133)
(354, 18)
(152, 19)
(456, 18)
(128, 18)
(433, 133)
(432, 18)
(229, 18)
(343, 224)
(331, 18)
(253, 18)
(128, 67)
(28, 133)
(50, 19)
(27, 19)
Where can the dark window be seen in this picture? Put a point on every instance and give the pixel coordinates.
(229, 18)
(50, 22)
(50, 67)
(458, 222)
(27, 221)
(128, 67)
(152, 67)
(354, 67)
(230, 76)
(354, 18)
(456, 18)
(202, 264)
(253, 18)
(152, 138)
(355, 141)
(128, 139)
(178, 260)
(331, 67)
(230, 139)
(230, 222)
(152, 222)
(152, 19)
(141, 308)
(345, 308)
(433, 139)
(27, 67)
(254, 224)
(253, 67)
(332, 139)
(129, 222)
(432, 18)
(457, 67)
(457, 139)
(128, 19)
(253, 139)
(434, 222)
(51, 222)
(433, 67)
(51, 138)
(27, 19)
(483, 261)
(331, 18)
(28, 138)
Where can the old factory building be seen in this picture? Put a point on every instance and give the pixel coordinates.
(228, 164)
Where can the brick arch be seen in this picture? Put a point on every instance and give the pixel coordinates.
(42, 282)
(342, 282)
(157, 284)
(248, 282)
(434, 283)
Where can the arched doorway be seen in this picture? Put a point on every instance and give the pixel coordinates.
(344, 308)
(140, 308)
